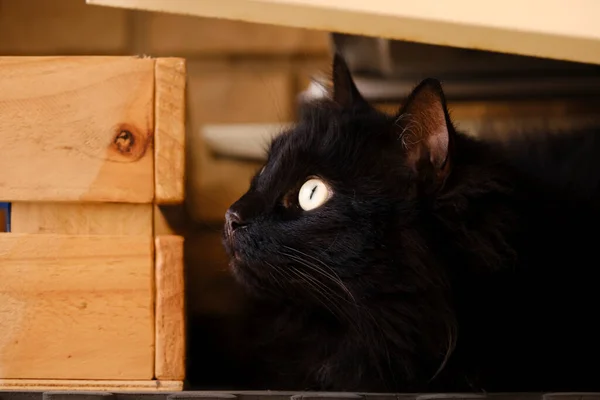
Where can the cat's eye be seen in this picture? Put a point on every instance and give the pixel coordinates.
(313, 194)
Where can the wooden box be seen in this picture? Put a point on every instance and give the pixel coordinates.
(90, 297)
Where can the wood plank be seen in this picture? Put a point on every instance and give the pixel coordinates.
(86, 122)
(169, 137)
(76, 307)
(566, 30)
(61, 27)
(170, 309)
(232, 92)
(540, 108)
(39, 385)
(82, 218)
(168, 34)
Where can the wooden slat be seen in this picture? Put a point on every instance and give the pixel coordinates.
(541, 108)
(82, 218)
(76, 129)
(169, 131)
(167, 34)
(249, 141)
(90, 386)
(61, 27)
(170, 308)
(76, 307)
(561, 29)
(232, 92)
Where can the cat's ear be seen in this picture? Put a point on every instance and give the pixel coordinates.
(425, 129)
(345, 93)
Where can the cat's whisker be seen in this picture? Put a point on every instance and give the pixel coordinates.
(318, 270)
(316, 291)
(334, 239)
(333, 275)
(324, 288)
(272, 275)
(320, 289)
(449, 351)
(337, 277)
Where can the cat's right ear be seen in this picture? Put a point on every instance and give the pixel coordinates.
(345, 93)
(426, 131)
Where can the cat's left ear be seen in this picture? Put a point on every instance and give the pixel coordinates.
(345, 93)
(425, 130)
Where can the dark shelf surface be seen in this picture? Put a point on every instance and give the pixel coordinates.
(268, 395)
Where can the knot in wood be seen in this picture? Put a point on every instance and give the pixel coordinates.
(125, 142)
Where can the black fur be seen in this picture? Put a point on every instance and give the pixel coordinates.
(437, 265)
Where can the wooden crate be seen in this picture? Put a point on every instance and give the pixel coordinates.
(90, 297)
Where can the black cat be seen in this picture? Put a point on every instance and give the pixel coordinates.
(392, 253)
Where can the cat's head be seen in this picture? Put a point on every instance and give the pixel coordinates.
(339, 201)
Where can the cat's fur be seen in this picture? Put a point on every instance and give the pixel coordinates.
(440, 263)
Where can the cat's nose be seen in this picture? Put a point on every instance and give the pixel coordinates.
(233, 220)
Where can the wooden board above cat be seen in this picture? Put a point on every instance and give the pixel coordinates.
(500, 26)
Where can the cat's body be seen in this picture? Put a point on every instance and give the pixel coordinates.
(435, 262)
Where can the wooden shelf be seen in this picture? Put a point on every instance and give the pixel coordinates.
(559, 29)
(90, 386)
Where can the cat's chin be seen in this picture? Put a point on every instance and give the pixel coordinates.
(249, 282)
(236, 266)
(242, 274)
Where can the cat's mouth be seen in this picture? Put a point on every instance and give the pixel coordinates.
(232, 245)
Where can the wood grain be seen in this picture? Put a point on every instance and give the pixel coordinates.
(76, 307)
(169, 131)
(90, 386)
(170, 308)
(76, 129)
(82, 218)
